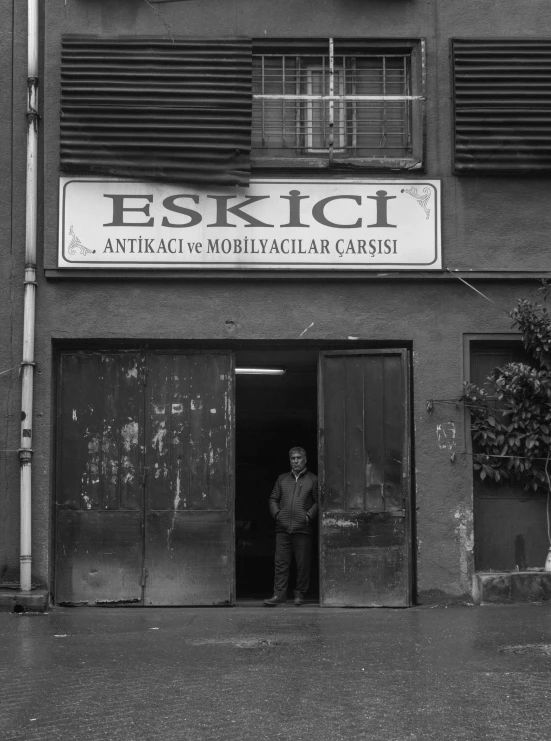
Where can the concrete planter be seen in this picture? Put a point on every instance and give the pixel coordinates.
(511, 586)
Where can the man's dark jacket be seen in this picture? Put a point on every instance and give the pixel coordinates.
(294, 502)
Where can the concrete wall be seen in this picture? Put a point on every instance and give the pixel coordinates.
(433, 317)
(489, 224)
(485, 220)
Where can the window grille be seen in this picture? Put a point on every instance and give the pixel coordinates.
(341, 105)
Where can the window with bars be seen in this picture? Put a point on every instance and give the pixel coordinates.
(337, 102)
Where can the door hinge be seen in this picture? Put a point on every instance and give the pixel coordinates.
(145, 574)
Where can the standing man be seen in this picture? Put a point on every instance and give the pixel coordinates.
(294, 506)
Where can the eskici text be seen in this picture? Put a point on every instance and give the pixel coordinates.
(134, 210)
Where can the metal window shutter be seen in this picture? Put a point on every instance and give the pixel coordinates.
(161, 109)
(502, 95)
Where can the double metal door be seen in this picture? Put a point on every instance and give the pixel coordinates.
(145, 478)
(144, 484)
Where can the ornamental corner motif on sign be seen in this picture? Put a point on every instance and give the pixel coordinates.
(421, 198)
(76, 243)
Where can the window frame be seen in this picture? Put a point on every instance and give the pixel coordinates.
(414, 48)
(473, 342)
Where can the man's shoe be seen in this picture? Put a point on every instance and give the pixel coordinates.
(275, 600)
(299, 600)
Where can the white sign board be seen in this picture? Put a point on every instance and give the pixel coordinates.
(272, 224)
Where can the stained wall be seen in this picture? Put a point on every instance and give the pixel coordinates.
(494, 225)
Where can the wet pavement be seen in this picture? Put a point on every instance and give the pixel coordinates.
(256, 673)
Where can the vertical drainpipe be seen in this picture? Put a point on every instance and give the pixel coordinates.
(27, 364)
(331, 102)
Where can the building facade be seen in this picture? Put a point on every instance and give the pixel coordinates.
(350, 195)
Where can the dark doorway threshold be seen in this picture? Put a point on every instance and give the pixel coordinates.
(253, 602)
(272, 414)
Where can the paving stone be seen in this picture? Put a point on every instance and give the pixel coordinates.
(252, 674)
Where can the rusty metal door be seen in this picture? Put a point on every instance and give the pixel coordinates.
(189, 524)
(364, 444)
(144, 481)
(99, 500)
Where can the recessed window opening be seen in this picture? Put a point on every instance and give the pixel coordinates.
(520, 541)
(341, 105)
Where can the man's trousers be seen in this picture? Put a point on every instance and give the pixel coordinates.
(298, 545)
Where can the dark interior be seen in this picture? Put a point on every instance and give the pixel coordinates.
(273, 414)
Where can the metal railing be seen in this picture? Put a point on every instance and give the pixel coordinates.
(333, 105)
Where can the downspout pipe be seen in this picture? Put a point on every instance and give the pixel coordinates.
(28, 364)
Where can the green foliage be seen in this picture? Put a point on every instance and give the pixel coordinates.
(511, 415)
(533, 321)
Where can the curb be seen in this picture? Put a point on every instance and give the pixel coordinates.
(15, 601)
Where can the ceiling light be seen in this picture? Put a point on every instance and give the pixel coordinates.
(260, 371)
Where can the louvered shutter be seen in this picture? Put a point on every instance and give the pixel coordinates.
(502, 93)
(161, 109)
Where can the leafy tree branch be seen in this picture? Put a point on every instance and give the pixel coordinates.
(511, 414)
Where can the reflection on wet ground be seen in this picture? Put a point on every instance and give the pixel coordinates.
(250, 673)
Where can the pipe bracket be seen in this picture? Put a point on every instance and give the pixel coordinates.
(33, 117)
(25, 455)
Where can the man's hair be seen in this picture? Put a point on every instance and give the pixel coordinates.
(300, 451)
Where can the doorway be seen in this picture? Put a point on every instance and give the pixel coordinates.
(273, 413)
(161, 493)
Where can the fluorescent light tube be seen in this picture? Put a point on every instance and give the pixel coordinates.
(260, 371)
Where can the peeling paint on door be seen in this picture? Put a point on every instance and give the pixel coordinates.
(339, 522)
(188, 528)
(176, 504)
(159, 437)
(365, 545)
(129, 434)
(182, 402)
(99, 520)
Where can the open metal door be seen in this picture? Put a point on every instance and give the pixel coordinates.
(364, 444)
(98, 498)
(189, 486)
